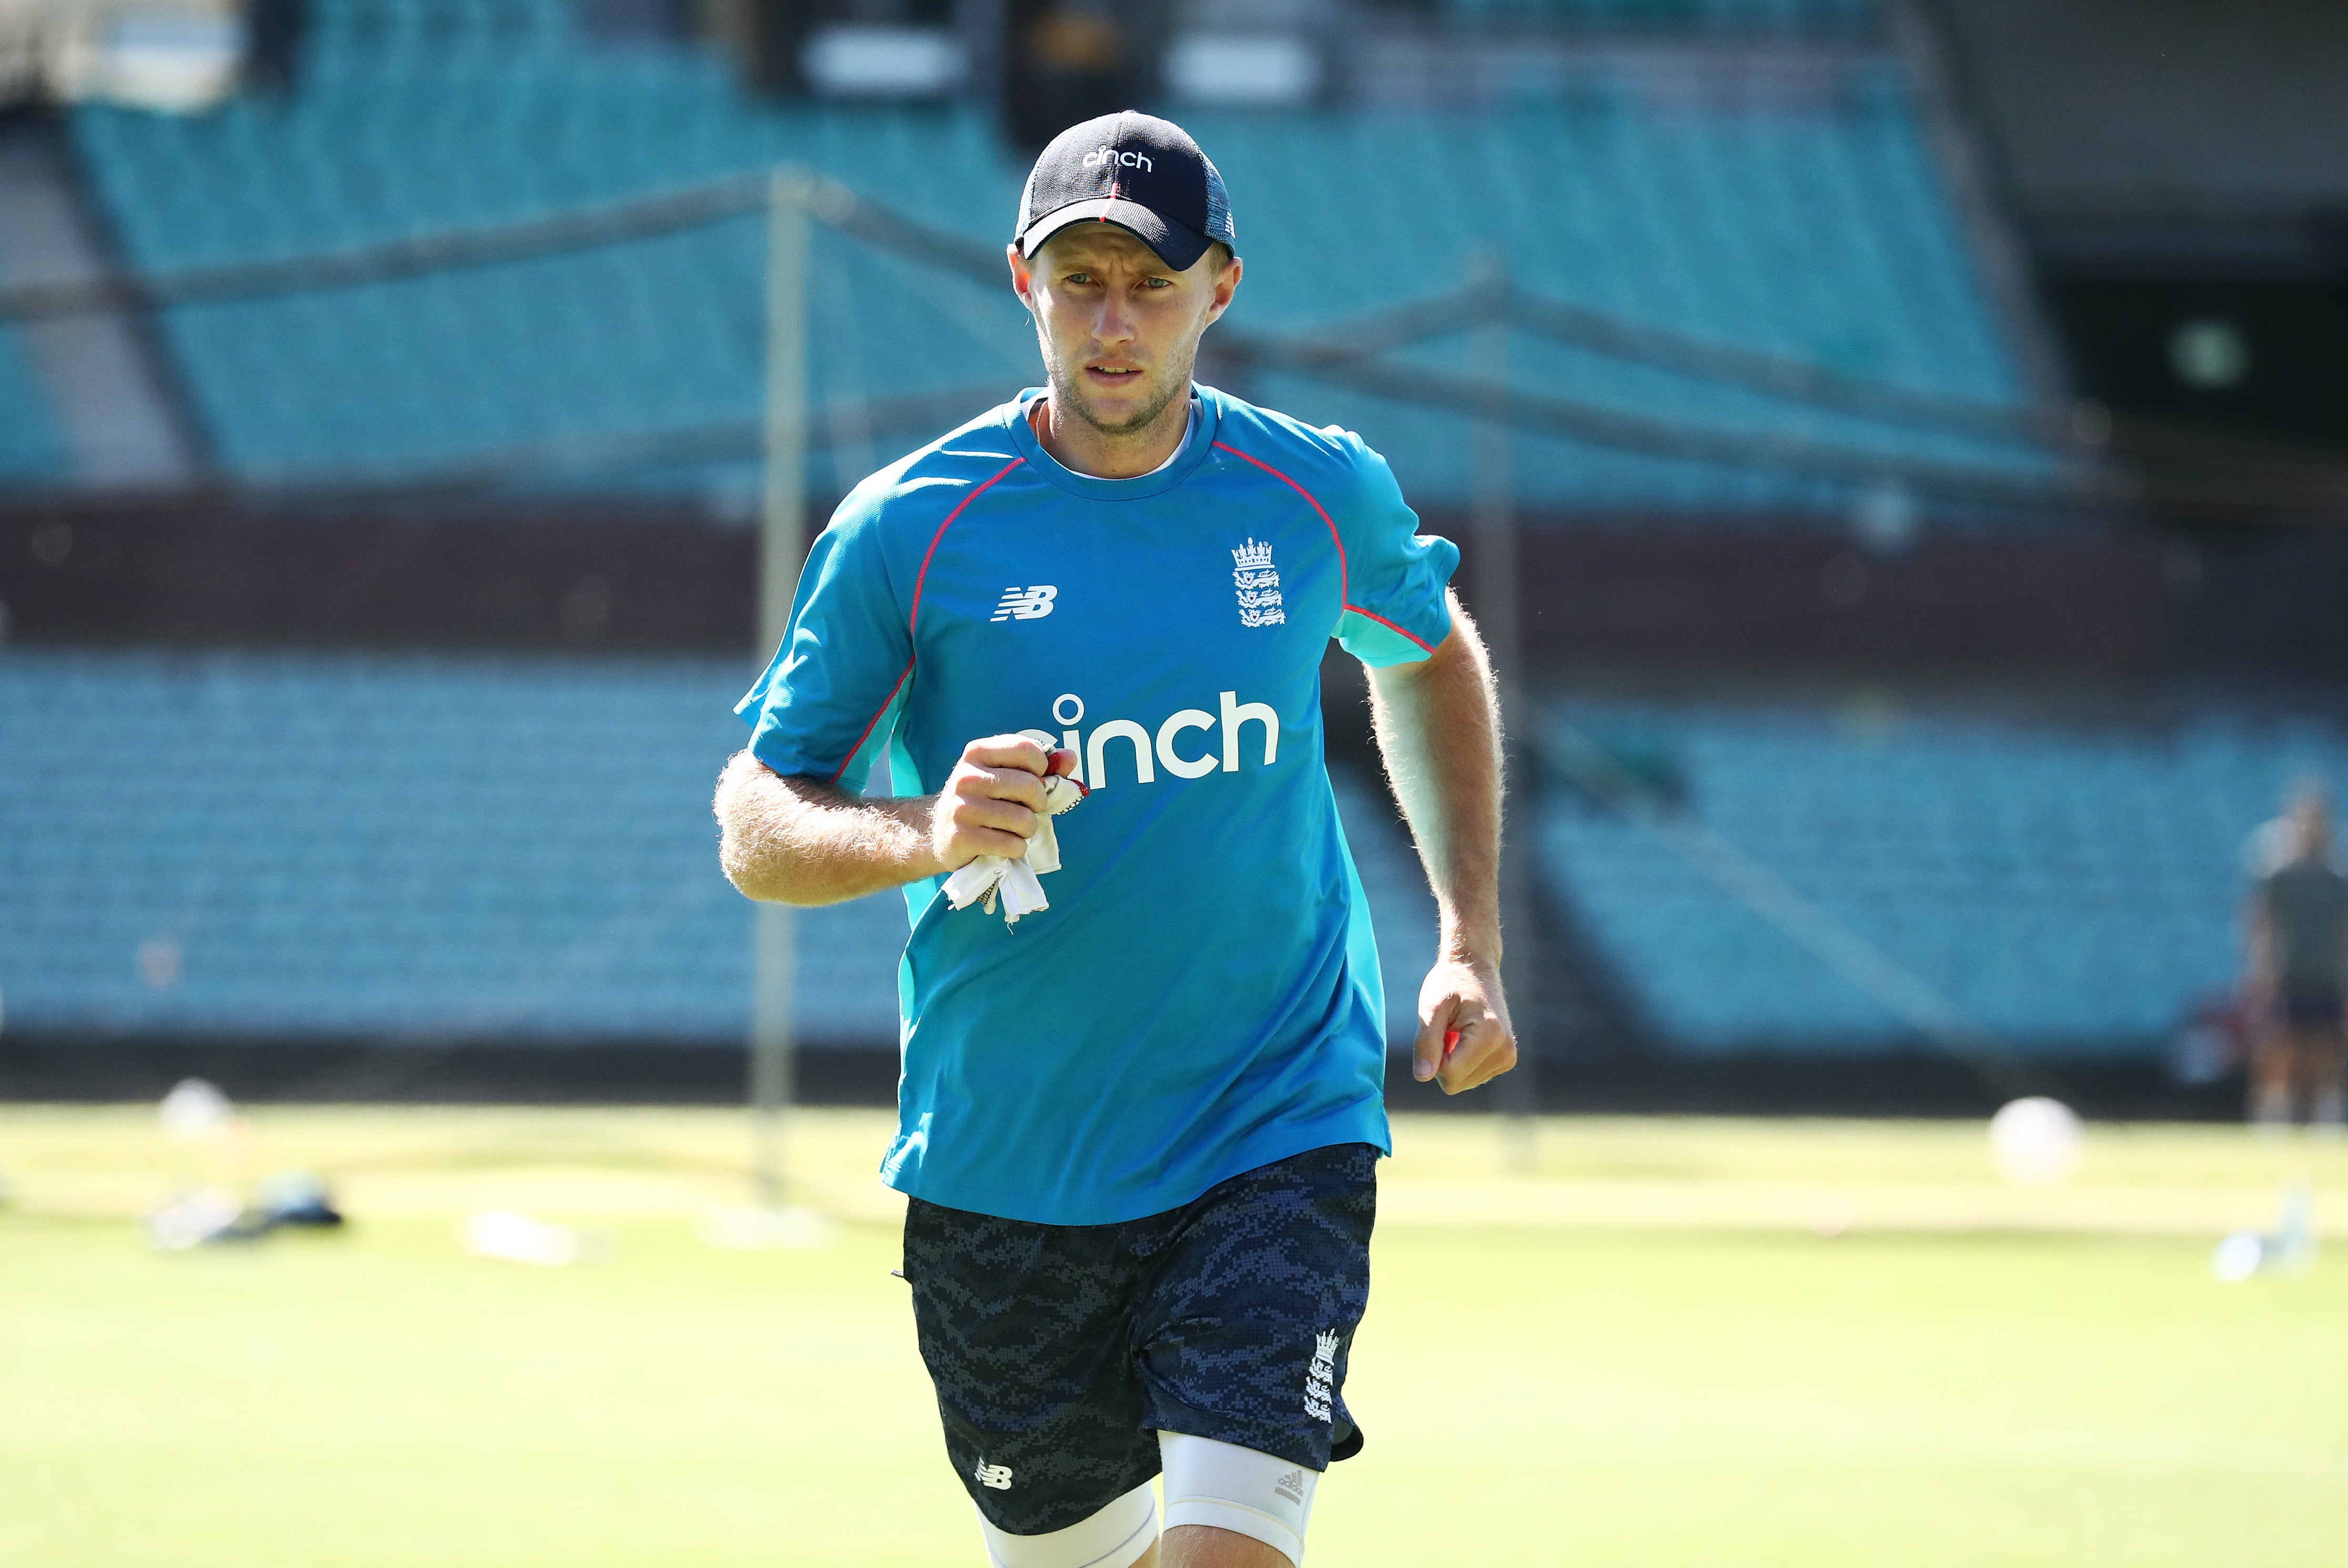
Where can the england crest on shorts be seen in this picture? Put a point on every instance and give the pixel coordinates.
(1257, 585)
(1321, 1376)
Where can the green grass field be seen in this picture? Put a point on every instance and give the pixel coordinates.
(1643, 1353)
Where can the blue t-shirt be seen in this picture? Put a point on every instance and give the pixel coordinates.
(1203, 997)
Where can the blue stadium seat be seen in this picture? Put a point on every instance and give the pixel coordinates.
(1678, 220)
(31, 451)
(1821, 233)
(2072, 889)
(303, 846)
(1673, 16)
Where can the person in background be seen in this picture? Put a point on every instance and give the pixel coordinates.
(2298, 981)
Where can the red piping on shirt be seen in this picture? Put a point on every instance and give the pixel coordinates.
(874, 720)
(1333, 539)
(913, 615)
(1390, 626)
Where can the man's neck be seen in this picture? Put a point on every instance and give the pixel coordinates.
(1086, 449)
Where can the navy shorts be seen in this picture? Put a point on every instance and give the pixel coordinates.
(2311, 1010)
(1060, 1352)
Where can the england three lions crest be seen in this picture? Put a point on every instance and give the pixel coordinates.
(1257, 585)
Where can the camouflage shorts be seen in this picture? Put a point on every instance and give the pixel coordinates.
(1060, 1351)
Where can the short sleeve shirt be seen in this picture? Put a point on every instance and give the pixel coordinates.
(2306, 905)
(1203, 997)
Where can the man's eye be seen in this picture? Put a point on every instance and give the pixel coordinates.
(1157, 283)
(1080, 277)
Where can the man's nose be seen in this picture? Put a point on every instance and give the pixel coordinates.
(1115, 326)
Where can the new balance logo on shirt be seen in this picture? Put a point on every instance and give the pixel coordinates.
(997, 1476)
(1026, 603)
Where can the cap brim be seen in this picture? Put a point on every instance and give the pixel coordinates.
(1178, 247)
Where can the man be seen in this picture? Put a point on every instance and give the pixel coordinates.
(1138, 1132)
(2299, 968)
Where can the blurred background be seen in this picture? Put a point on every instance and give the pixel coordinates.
(1918, 466)
(1900, 449)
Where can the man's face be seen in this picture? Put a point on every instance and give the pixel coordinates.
(1119, 328)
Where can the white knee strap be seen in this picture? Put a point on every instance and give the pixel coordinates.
(1116, 1537)
(1239, 1490)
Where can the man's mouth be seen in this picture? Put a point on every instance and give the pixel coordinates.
(1114, 374)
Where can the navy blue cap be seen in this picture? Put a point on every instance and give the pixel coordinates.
(1136, 171)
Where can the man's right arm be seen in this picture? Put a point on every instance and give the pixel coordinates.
(801, 840)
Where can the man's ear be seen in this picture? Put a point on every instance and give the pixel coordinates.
(1023, 276)
(1227, 284)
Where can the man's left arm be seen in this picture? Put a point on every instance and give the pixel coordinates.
(1438, 727)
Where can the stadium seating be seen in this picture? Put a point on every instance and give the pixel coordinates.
(1820, 233)
(1673, 16)
(1819, 237)
(347, 845)
(660, 335)
(406, 847)
(30, 450)
(374, 846)
(2072, 888)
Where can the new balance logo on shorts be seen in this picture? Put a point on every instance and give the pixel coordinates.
(1320, 1376)
(1026, 603)
(997, 1476)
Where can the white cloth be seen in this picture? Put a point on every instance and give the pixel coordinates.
(1013, 876)
(1239, 1490)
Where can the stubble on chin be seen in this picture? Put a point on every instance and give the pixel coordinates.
(1072, 397)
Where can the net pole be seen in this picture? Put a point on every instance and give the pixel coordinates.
(1495, 584)
(782, 546)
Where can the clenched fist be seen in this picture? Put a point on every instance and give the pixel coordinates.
(990, 800)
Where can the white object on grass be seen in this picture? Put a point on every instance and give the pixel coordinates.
(2238, 1257)
(518, 1238)
(790, 1229)
(2295, 1236)
(193, 1220)
(2290, 1251)
(1830, 1216)
(193, 1109)
(1013, 877)
(2035, 1142)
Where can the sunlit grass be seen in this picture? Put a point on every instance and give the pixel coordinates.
(1642, 1352)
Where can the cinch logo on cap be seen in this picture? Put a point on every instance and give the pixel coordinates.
(1082, 176)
